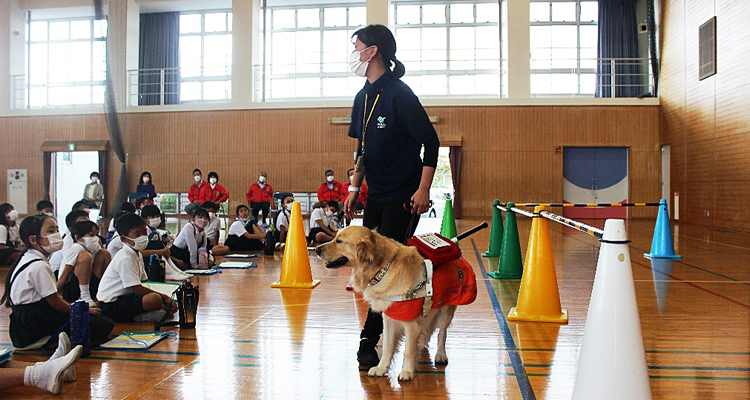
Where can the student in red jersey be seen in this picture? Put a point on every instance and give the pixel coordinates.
(259, 197)
(331, 189)
(214, 191)
(194, 194)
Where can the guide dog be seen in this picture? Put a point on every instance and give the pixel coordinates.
(384, 270)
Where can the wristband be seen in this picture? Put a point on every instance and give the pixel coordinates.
(354, 189)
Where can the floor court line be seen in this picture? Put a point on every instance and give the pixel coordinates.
(527, 392)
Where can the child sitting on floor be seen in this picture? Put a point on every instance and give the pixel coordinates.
(192, 237)
(212, 230)
(121, 294)
(83, 265)
(245, 234)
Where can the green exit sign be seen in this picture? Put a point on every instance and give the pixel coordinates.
(72, 147)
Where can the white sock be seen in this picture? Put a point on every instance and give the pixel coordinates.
(85, 294)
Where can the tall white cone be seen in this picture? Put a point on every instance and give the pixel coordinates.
(612, 362)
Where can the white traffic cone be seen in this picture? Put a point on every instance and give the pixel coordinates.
(612, 363)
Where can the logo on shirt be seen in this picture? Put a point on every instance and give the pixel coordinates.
(381, 122)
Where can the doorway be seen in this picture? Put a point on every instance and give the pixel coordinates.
(70, 172)
(595, 175)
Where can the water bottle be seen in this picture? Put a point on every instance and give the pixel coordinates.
(187, 297)
(202, 258)
(79, 326)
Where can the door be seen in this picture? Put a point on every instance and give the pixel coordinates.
(665, 176)
(595, 175)
(71, 171)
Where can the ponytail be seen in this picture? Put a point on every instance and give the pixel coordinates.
(382, 37)
(398, 68)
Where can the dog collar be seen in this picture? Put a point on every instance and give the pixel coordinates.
(381, 273)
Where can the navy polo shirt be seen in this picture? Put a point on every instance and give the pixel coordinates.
(398, 128)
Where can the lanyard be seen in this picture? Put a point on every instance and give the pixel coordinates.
(366, 121)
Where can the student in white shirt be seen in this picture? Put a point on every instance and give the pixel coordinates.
(281, 225)
(37, 310)
(212, 230)
(10, 242)
(84, 264)
(245, 234)
(70, 219)
(322, 229)
(121, 294)
(112, 231)
(192, 237)
(115, 243)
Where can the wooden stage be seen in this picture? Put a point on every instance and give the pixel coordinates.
(255, 342)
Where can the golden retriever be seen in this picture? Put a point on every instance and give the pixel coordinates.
(367, 252)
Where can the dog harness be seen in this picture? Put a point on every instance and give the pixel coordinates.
(451, 283)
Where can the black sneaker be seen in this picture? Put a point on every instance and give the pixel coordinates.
(367, 355)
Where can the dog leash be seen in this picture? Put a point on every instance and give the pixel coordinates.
(408, 205)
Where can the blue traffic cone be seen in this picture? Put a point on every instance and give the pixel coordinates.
(662, 246)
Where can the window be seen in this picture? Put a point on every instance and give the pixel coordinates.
(563, 42)
(449, 48)
(206, 56)
(307, 50)
(66, 63)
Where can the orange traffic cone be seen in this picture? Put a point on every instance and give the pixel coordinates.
(539, 298)
(295, 267)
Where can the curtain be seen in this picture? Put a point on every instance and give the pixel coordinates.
(618, 39)
(159, 56)
(454, 157)
(103, 180)
(47, 165)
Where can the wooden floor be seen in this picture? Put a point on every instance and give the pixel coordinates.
(253, 341)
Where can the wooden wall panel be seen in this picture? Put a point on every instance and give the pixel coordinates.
(707, 121)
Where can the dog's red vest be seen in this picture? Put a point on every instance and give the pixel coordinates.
(454, 283)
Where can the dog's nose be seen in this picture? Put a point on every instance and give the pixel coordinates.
(317, 250)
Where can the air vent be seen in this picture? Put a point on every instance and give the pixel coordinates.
(707, 49)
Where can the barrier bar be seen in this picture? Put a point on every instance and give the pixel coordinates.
(573, 224)
(522, 212)
(587, 205)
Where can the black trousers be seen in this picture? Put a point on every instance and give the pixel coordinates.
(390, 220)
(257, 207)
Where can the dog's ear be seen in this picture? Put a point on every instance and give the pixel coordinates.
(365, 250)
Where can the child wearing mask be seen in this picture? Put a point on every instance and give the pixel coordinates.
(322, 229)
(282, 220)
(121, 294)
(259, 197)
(45, 207)
(10, 240)
(111, 231)
(142, 202)
(70, 219)
(93, 193)
(146, 185)
(214, 192)
(212, 230)
(37, 310)
(244, 233)
(115, 244)
(83, 265)
(191, 238)
(194, 193)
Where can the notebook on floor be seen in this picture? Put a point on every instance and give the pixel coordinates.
(237, 265)
(5, 355)
(241, 255)
(209, 271)
(161, 287)
(134, 341)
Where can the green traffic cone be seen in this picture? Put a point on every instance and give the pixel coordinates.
(511, 262)
(448, 227)
(496, 232)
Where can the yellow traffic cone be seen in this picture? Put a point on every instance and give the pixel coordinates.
(539, 298)
(295, 267)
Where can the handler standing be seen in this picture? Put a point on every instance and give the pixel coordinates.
(391, 126)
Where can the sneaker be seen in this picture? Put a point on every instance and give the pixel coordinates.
(49, 375)
(63, 348)
(367, 355)
(150, 316)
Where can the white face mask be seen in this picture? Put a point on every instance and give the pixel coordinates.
(55, 243)
(261, 179)
(200, 223)
(12, 215)
(94, 179)
(329, 179)
(139, 243)
(351, 179)
(154, 222)
(197, 178)
(213, 181)
(91, 244)
(358, 67)
(243, 219)
(211, 215)
(49, 214)
(329, 213)
(287, 205)
(146, 179)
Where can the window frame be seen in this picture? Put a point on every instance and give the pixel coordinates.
(202, 78)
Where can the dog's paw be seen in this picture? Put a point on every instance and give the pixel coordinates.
(441, 359)
(377, 371)
(406, 375)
